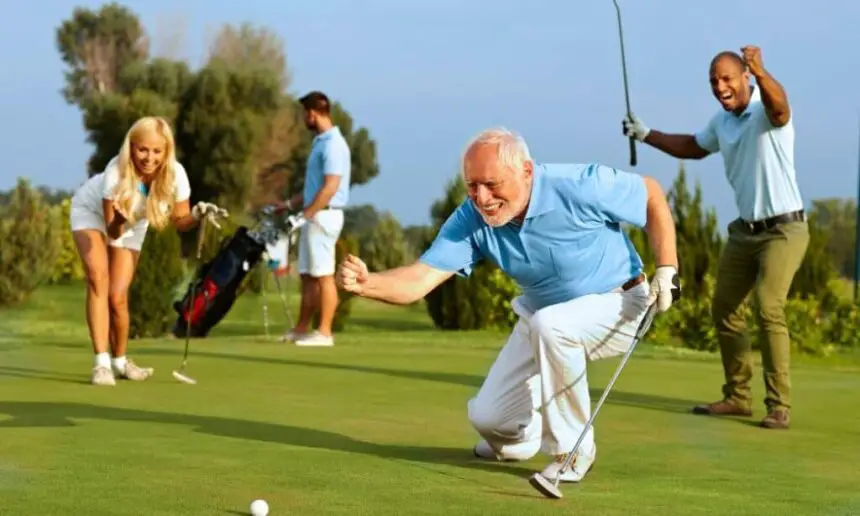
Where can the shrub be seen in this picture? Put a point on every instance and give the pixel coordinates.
(160, 270)
(68, 265)
(29, 233)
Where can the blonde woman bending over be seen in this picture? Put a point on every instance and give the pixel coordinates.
(110, 215)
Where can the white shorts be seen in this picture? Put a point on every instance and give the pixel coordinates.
(83, 218)
(317, 241)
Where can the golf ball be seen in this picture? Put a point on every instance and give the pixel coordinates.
(259, 508)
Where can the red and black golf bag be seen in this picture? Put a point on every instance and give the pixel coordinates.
(213, 291)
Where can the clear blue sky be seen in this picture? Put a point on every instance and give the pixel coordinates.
(424, 76)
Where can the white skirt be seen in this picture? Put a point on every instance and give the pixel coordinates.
(83, 218)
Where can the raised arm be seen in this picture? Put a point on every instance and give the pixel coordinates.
(773, 95)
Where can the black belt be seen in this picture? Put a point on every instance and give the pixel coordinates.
(632, 282)
(758, 226)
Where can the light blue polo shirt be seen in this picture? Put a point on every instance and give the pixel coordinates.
(758, 158)
(329, 155)
(571, 242)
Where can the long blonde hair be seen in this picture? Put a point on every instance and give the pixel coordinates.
(161, 190)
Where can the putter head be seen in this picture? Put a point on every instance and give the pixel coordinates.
(184, 378)
(546, 486)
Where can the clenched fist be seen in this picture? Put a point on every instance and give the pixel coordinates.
(352, 275)
(752, 57)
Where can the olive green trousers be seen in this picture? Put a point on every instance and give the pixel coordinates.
(763, 264)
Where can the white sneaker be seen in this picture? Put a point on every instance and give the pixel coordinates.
(135, 373)
(483, 450)
(315, 339)
(102, 376)
(292, 336)
(579, 466)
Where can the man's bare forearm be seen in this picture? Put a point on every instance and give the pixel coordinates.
(402, 285)
(774, 98)
(661, 226)
(682, 146)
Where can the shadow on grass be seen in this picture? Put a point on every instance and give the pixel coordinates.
(616, 397)
(62, 414)
(37, 374)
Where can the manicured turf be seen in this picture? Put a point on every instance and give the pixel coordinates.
(377, 425)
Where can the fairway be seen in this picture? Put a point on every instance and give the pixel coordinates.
(377, 425)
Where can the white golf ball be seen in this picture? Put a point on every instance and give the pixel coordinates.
(259, 508)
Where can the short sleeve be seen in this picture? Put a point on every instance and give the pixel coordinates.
(618, 196)
(182, 187)
(453, 249)
(336, 158)
(707, 137)
(111, 179)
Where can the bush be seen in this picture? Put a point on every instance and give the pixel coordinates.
(68, 265)
(160, 270)
(29, 233)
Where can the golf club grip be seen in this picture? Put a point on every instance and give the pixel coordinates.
(633, 159)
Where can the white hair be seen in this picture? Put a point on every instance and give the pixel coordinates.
(512, 149)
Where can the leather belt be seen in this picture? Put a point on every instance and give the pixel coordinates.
(632, 282)
(757, 226)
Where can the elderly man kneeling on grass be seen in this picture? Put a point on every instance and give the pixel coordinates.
(556, 230)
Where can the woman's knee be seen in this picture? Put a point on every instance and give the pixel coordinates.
(118, 300)
(98, 280)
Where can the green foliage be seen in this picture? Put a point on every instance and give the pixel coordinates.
(384, 246)
(29, 233)
(160, 270)
(480, 301)
(221, 124)
(96, 46)
(68, 265)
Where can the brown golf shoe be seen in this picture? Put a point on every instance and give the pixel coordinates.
(777, 418)
(722, 408)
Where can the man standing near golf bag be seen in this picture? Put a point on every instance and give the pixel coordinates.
(754, 133)
(555, 229)
(325, 194)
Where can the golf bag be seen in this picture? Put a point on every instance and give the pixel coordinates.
(215, 288)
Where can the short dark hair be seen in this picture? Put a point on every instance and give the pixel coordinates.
(316, 101)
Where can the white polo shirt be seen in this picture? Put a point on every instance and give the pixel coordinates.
(758, 158)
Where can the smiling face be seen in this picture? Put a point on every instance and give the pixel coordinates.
(148, 152)
(730, 83)
(500, 193)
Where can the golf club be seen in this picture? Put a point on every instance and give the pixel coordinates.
(633, 159)
(180, 374)
(548, 487)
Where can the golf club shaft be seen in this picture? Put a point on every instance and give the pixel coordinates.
(633, 159)
(200, 240)
(643, 327)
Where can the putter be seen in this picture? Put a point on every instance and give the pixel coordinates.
(633, 159)
(180, 373)
(548, 487)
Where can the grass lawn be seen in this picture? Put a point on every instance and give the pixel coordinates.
(377, 425)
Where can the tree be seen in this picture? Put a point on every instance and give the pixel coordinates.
(222, 120)
(30, 236)
(96, 46)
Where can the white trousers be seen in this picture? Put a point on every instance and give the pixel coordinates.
(535, 397)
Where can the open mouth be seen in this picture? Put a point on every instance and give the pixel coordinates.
(491, 209)
(725, 97)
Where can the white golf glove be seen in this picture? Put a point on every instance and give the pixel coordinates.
(203, 209)
(296, 221)
(633, 127)
(665, 287)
